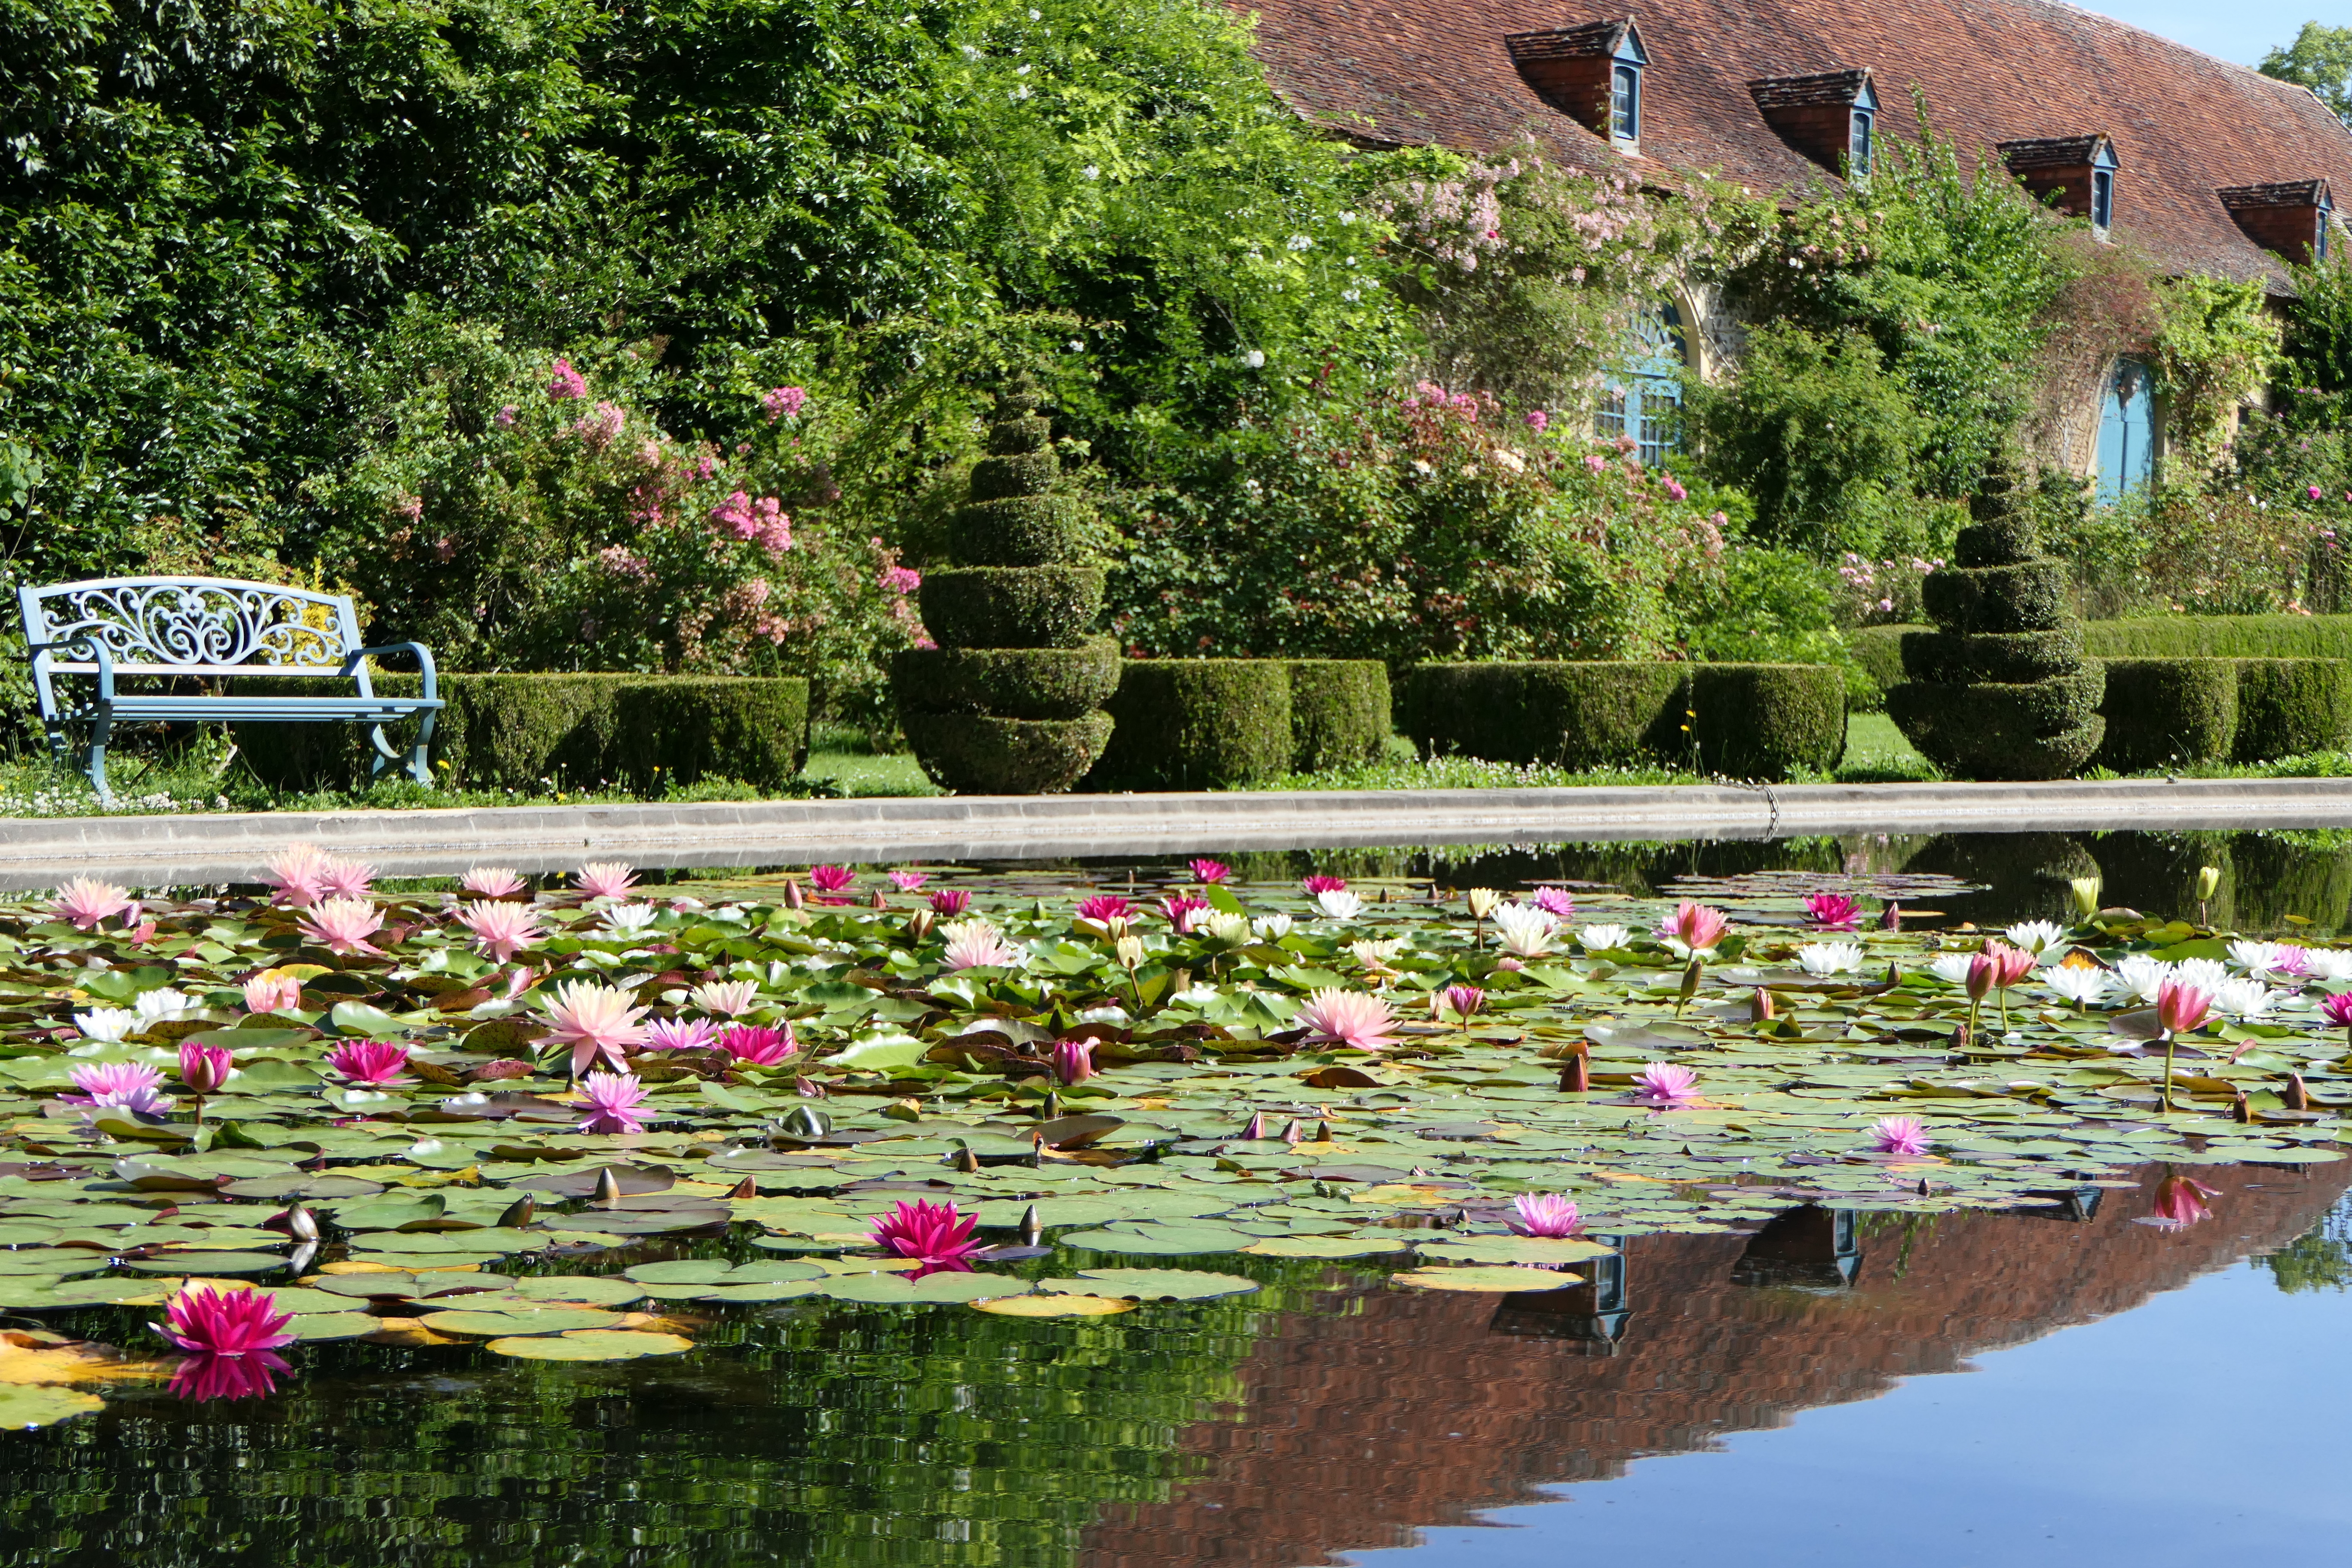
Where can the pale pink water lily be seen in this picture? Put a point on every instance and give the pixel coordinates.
(84, 902)
(594, 1020)
(1351, 1018)
(909, 881)
(727, 998)
(297, 874)
(2180, 1202)
(343, 925)
(1073, 1061)
(500, 929)
(1182, 910)
(1899, 1135)
(213, 1322)
(681, 1034)
(125, 1085)
(493, 881)
(935, 1235)
(344, 879)
(370, 1061)
(1462, 1001)
(615, 1102)
(2181, 1009)
(1694, 927)
(1664, 1084)
(973, 944)
(604, 880)
(1545, 1215)
(272, 991)
(204, 1068)
(760, 1046)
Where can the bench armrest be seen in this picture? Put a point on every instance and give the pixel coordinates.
(98, 652)
(424, 661)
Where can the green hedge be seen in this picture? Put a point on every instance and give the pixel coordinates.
(1748, 721)
(1197, 723)
(511, 732)
(1339, 711)
(2166, 710)
(979, 754)
(2291, 706)
(1011, 606)
(2221, 636)
(1010, 682)
(1879, 651)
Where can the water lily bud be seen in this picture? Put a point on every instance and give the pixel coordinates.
(2209, 877)
(2086, 895)
(1482, 901)
(793, 900)
(1982, 972)
(919, 925)
(1032, 1227)
(1760, 1006)
(518, 1213)
(2295, 1095)
(608, 1188)
(746, 1188)
(1576, 1077)
(1130, 952)
(1891, 916)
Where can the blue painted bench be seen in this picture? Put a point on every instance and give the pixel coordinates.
(208, 629)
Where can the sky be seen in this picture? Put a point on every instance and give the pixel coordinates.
(2243, 30)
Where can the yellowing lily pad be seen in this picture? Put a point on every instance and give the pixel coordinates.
(1151, 1284)
(1486, 1277)
(1513, 1249)
(1324, 1247)
(590, 1344)
(1054, 1306)
(25, 1406)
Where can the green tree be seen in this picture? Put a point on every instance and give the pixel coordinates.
(2321, 59)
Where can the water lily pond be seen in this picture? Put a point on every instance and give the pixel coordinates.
(1145, 1213)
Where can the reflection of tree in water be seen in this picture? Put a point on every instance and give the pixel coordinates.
(2319, 1259)
(2265, 877)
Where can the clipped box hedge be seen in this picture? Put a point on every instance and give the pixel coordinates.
(512, 732)
(1011, 606)
(1197, 723)
(2163, 711)
(2221, 636)
(1339, 712)
(1010, 682)
(1747, 721)
(975, 753)
(2291, 706)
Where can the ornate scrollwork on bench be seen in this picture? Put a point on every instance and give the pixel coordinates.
(193, 622)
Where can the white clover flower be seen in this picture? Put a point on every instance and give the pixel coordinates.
(1952, 968)
(1524, 930)
(1600, 939)
(106, 1023)
(2138, 978)
(2080, 986)
(1271, 928)
(1830, 957)
(2038, 937)
(1340, 904)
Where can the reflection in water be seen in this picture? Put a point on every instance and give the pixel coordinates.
(1323, 1414)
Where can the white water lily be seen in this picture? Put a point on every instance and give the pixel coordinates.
(2203, 973)
(2080, 986)
(1271, 928)
(1600, 939)
(1524, 930)
(1340, 904)
(106, 1023)
(2046, 940)
(1830, 957)
(1953, 967)
(2327, 962)
(2254, 957)
(155, 1006)
(1376, 954)
(2138, 978)
(2245, 999)
(730, 998)
(631, 917)
(1218, 926)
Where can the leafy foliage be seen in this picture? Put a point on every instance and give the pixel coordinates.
(2321, 59)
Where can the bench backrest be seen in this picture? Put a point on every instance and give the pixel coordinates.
(190, 626)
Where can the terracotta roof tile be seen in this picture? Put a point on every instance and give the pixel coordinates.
(2185, 125)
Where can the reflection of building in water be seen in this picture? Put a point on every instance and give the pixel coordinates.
(1418, 1409)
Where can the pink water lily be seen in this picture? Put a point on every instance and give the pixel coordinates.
(1104, 907)
(220, 1322)
(343, 925)
(252, 1376)
(605, 878)
(594, 1020)
(344, 879)
(204, 1068)
(1181, 910)
(297, 873)
(1558, 902)
(2180, 1202)
(758, 1045)
(1832, 912)
(1073, 1061)
(2181, 1009)
(974, 944)
(1320, 883)
(950, 901)
(1206, 870)
(1351, 1018)
(830, 879)
(909, 881)
(272, 991)
(615, 1102)
(934, 1235)
(123, 1086)
(1462, 1001)
(681, 1034)
(1662, 1085)
(493, 881)
(370, 1061)
(1545, 1215)
(84, 902)
(1695, 926)
(1904, 1135)
(500, 929)
(2338, 1010)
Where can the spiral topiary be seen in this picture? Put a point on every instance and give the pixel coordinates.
(2000, 689)
(1010, 701)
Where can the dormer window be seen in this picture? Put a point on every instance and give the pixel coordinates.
(1831, 118)
(1591, 73)
(2076, 175)
(2290, 217)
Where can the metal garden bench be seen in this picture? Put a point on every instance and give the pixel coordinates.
(208, 629)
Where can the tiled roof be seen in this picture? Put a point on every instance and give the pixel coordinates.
(2185, 125)
(2050, 151)
(1805, 91)
(2284, 193)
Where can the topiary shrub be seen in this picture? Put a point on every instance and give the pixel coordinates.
(1010, 701)
(1013, 756)
(1338, 712)
(2166, 711)
(1767, 721)
(2000, 690)
(1197, 723)
(2289, 707)
(524, 731)
(1879, 651)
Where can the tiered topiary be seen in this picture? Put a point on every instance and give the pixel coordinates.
(2000, 689)
(1010, 701)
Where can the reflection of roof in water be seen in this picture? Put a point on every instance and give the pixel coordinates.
(1421, 1408)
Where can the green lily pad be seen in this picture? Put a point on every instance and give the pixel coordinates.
(1324, 1247)
(25, 1406)
(1162, 1241)
(1528, 1249)
(309, 1326)
(207, 1263)
(505, 1321)
(590, 1344)
(1151, 1284)
(1486, 1277)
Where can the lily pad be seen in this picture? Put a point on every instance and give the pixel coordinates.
(24, 1406)
(1528, 1249)
(518, 1321)
(1325, 1246)
(1055, 1306)
(590, 1344)
(1485, 1278)
(1162, 1241)
(1151, 1284)
(307, 1326)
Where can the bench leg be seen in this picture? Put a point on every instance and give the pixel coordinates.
(417, 765)
(101, 729)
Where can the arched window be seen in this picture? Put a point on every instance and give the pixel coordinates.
(1625, 102)
(1643, 396)
(2127, 431)
(1857, 143)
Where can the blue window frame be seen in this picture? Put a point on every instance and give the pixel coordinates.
(2127, 431)
(1643, 398)
(1625, 102)
(2103, 198)
(1857, 148)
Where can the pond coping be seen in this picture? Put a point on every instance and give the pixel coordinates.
(223, 847)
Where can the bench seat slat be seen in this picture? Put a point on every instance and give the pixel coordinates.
(135, 708)
(299, 671)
